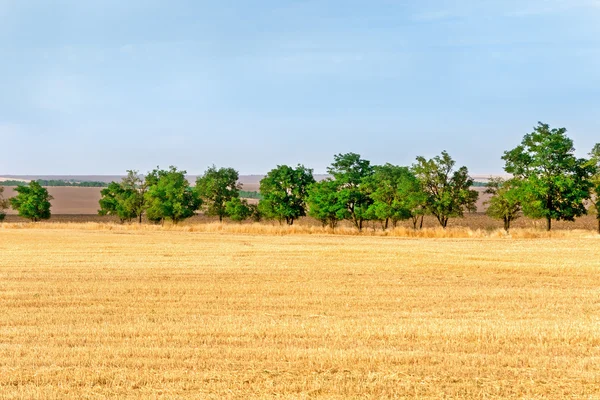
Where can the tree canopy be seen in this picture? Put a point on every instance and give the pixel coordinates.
(169, 196)
(448, 191)
(126, 199)
(285, 190)
(32, 202)
(324, 203)
(505, 203)
(555, 183)
(350, 172)
(217, 187)
(395, 192)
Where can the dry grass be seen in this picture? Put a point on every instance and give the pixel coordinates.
(99, 310)
(273, 229)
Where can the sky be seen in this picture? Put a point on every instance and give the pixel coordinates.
(102, 86)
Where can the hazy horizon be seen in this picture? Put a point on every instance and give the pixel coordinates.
(99, 87)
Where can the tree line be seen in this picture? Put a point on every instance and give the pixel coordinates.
(59, 183)
(548, 182)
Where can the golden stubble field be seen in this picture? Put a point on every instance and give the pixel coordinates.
(155, 313)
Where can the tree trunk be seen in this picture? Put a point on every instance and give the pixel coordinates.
(598, 223)
(140, 218)
(506, 224)
(360, 225)
(387, 221)
(548, 223)
(422, 218)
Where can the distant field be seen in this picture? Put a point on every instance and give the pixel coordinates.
(74, 200)
(68, 200)
(87, 312)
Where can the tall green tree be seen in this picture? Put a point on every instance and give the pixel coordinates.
(217, 187)
(350, 172)
(285, 190)
(4, 204)
(595, 162)
(324, 203)
(32, 201)
(169, 196)
(126, 199)
(506, 200)
(394, 191)
(555, 182)
(448, 190)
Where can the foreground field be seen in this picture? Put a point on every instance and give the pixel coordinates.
(152, 313)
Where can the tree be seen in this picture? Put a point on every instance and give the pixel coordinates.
(4, 204)
(350, 173)
(238, 209)
(556, 183)
(217, 187)
(595, 161)
(506, 200)
(126, 199)
(284, 192)
(324, 203)
(395, 192)
(32, 201)
(169, 196)
(137, 188)
(448, 191)
(112, 202)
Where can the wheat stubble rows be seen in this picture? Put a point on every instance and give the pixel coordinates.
(166, 314)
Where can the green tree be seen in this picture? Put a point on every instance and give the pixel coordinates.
(595, 162)
(448, 191)
(169, 196)
(284, 190)
(393, 190)
(324, 203)
(4, 204)
(506, 200)
(32, 201)
(126, 199)
(217, 187)
(137, 188)
(238, 209)
(555, 182)
(350, 173)
(112, 202)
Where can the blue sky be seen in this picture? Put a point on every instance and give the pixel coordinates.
(98, 87)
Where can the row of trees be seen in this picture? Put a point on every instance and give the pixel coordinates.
(58, 183)
(357, 192)
(548, 182)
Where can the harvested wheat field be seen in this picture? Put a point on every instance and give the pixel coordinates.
(101, 311)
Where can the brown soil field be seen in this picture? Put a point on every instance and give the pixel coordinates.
(68, 200)
(73, 200)
(110, 311)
